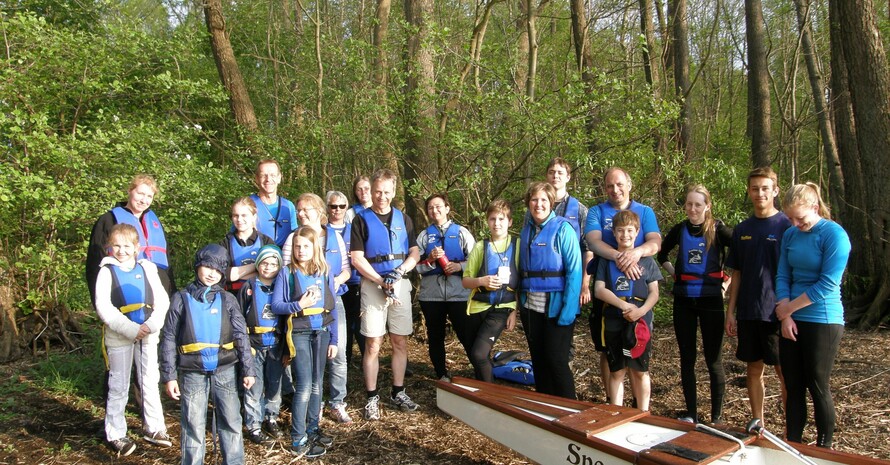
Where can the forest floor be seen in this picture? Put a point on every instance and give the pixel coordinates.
(45, 418)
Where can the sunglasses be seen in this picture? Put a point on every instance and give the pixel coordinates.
(334, 206)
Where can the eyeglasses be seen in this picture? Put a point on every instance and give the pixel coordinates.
(305, 209)
(334, 206)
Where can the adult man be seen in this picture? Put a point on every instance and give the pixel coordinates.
(559, 173)
(135, 211)
(754, 259)
(276, 216)
(384, 248)
(617, 186)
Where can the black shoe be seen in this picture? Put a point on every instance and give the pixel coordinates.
(257, 436)
(318, 437)
(308, 449)
(123, 446)
(270, 426)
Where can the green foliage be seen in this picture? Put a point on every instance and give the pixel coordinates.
(71, 374)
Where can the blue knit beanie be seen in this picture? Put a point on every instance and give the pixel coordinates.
(266, 251)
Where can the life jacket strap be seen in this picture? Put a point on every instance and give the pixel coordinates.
(133, 307)
(199, 346)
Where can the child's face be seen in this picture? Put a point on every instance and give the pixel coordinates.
(302, 249)
(625, 235)
(243, 219)
(268, 268)
(123, 249)
(208, 276)
(499, 225)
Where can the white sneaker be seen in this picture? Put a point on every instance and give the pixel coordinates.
(403, 402)
(340, 415)
(159, 438)
(372, 409)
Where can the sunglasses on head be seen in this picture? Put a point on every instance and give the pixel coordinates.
(334, 206)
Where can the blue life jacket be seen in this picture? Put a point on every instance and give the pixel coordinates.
(699, 272)
(626, 289)
(607, 212)
(262, 324)
(572, 214)
(206, 340)
(355, 277)
(515, 370)
(333, 255)
(540, 260)
(450, 243)
(242, 255)
(386, 248)
(277, 227)
(358, 208)
(313, 318)
(491, 261)
(152, 242)
(131, 292)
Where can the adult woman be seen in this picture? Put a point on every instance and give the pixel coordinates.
(311, 213)
(445, 247)
(352, 302)
(361, 194)
(812, 260)
(698, 295)
(550, 289)
(243, 244)
(137, 212)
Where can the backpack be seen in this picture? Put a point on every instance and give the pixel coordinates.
(511, 366)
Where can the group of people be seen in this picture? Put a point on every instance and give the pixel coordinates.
(280, 300)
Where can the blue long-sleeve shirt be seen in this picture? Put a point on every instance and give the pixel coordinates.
(813, 263)
(282, 304)
(565, 305)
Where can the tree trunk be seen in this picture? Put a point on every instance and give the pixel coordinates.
(422, 163)
(758, 85)
(584, 62)
(521, 74)
(814, 72)
(682, 85)
(869, 84)
(229, 74)
(531, 25)
(381, 75)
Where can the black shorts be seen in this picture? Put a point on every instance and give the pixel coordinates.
(614, 330)
(758, 340)
(596, 325)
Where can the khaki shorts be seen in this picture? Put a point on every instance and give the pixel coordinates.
(377, 318)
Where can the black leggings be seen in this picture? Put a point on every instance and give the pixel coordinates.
(549, 345)
(435, 314)
(483, 330)
(352, 303)
(689, 313)
(806, 366)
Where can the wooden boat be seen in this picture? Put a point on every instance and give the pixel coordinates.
(551, 430)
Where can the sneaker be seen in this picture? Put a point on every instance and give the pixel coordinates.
(318, 437)
(270, 426)
(307, 449)
(403, 402)
(372, 409)
(687, 419)
(340, 415)
(123, 446)
(159, 438)
(257, 436)
(446, 378)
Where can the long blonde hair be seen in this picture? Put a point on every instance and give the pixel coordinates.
(317, 264)
(808, 195)
(709, 227)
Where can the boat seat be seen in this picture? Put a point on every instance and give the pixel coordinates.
(693, 447)
(599, 418)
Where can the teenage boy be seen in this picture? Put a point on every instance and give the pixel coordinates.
(754, 259)
(203, 339)
(384, 248)
(627, 300)
(559, 173)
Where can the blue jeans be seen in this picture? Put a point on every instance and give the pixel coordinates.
(265, 395)
(195, 388)
(337, 365)
(307, 368)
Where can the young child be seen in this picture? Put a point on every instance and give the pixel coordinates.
(626, 301)
(492, 274)
(203, 339)
(305, 293)
(263, 401)
(132, 303)
(243, 244)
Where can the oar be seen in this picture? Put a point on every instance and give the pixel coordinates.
(755, 426)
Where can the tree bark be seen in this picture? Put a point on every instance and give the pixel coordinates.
(584, 62)
(680, 29)
(758, 85)
(869, 85)
(380, 74)
(227, 66)
(814, 72)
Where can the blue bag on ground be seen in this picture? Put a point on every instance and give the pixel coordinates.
(511, 366)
